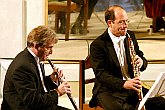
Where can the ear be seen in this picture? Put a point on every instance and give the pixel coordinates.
(37, 46)
(109, 23)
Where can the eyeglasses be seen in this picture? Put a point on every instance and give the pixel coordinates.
(123, 22)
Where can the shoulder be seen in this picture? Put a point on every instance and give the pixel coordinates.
(100, 40)
(24, 60)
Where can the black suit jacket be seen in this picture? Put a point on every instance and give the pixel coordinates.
(106, 66)
(23, 89)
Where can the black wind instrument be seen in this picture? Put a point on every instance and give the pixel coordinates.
(60, 80)
(135, 67)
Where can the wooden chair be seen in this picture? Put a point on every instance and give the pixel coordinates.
(63, 6)
(85, 64)
(68, 7)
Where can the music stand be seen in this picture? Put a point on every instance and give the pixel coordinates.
(158, 89)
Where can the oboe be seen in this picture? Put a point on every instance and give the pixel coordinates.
(60, 80)
(135, 67)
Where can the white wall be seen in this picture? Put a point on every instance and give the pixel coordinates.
(17, 18)
(35, 13)
(10, 27)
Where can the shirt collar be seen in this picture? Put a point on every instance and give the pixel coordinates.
(115, 39)
(36, 58)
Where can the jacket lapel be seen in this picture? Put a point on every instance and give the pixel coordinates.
(34, 63)
(110, 48)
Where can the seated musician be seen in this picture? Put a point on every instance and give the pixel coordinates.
(26, 87)
(117, 87)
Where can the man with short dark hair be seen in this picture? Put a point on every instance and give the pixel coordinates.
(116, 60)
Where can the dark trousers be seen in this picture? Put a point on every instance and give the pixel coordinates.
(109, 102)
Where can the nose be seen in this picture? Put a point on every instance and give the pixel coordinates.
(125, 25)
(125, 22)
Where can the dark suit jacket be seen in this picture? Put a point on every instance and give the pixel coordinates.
(23, 89)
(106, 66)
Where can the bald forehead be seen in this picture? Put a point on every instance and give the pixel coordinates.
(116, 8)
(118, 11)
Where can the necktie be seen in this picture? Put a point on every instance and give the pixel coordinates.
(42, 69)
(122, 59)
(43, 76)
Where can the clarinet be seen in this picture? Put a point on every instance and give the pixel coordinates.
(135, 67)
(60, 80)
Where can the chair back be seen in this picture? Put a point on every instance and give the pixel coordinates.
(85, 64)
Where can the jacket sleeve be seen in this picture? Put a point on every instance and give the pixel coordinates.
(50, 84)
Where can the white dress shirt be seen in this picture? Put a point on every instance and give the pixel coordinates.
(39, 68)
(123, 63)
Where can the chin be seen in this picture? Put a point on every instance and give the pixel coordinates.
(44, 59)
(123, 33)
